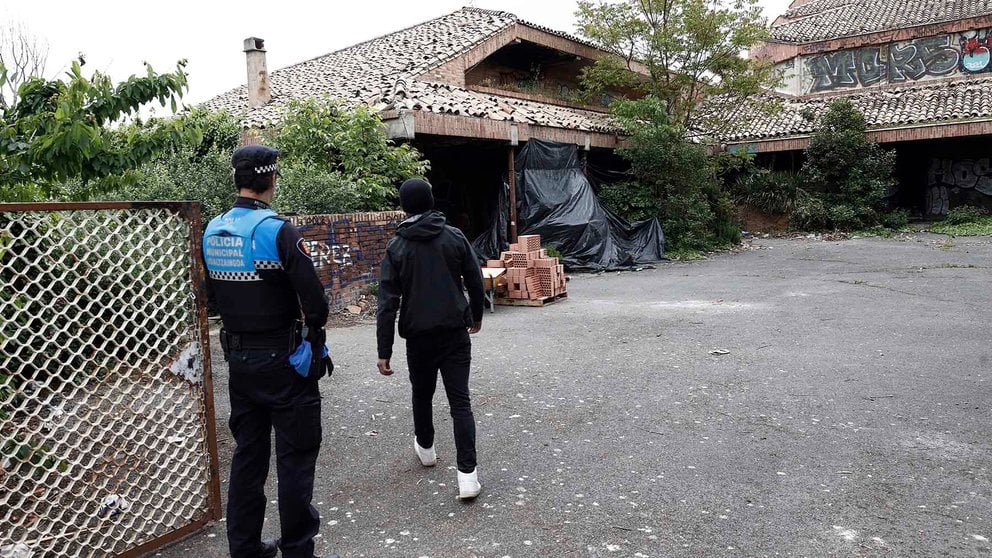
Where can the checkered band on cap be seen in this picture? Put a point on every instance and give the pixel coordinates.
(267, 169)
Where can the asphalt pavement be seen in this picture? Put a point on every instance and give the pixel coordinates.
(799, 398)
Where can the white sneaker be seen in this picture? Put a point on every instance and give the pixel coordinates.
(468, 485)
(428, 458)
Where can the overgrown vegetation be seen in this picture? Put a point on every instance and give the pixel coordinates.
(191, 170)
(852, 174)
(57, 139)
(778, 193)
(673, 55)
(334, 160)
(79, 139)
(965, 214)
(673, 180)
(965, 221)
(843, 183)
(338, 160)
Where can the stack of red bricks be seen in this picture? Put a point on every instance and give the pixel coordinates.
(530, 273)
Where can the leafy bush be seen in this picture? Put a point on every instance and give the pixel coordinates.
(633, 200)
(843, 183)
(853, 174)
(965, 214)
(776, 193)
(675, 181)
(981, 226)
(336, 159)
(809, 212)
(896, 219)
(199, 171)
(62, 130)
(850, 217)
(310, 188)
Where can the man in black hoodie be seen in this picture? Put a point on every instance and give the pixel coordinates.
(421, 276)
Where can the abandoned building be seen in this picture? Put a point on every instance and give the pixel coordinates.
(919, 70)
(466, 89)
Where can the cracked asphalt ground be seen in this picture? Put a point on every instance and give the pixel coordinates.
(849, 417)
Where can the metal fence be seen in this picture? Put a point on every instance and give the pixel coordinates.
(107, 434)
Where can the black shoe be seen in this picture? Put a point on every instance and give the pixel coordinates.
(270, 547)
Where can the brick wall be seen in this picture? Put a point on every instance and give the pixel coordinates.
(347, 250)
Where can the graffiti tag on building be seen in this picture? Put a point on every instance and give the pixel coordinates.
(947, 176)
(902, 62)
(962, 173)
(976, 51)
(324, 254)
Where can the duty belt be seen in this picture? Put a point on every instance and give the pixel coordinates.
(258, 341)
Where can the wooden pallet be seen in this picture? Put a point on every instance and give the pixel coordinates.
(544, 301)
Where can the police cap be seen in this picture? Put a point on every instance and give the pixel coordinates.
(255, 159)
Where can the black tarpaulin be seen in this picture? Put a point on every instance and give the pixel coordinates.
(489, 244)
(556, 201)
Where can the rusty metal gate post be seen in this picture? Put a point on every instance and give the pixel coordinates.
(108, 442)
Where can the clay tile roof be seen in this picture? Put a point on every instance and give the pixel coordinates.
(447, 99)
(820, 20)
(382, 73)
(883, 108)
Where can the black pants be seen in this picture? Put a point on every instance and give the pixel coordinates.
(451, 353)
(267, 393)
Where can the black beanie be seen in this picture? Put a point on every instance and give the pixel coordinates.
(416, 197)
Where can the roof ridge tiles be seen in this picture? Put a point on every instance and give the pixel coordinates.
(824, 20)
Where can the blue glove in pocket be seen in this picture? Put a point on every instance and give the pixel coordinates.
(302, 359)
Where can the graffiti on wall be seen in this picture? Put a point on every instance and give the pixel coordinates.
(951, 176)
(346, 250)
(902, 62)
(324, 254)
(976, 51)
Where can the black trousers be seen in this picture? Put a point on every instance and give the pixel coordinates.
(451, 354)
(266, 394)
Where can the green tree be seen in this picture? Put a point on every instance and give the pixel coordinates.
(670, 56)
(334, 160)
(853, 174)
(685, 51)
(191, 170)
(338, 160)
(674, 180)
(62, 131)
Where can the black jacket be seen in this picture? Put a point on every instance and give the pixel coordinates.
(421, 276)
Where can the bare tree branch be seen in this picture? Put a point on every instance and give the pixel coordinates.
(24, 55)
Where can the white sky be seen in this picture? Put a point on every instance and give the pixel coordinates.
(117, 35)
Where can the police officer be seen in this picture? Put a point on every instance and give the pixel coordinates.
(261, 276)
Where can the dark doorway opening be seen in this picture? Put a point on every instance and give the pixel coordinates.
(466, 175)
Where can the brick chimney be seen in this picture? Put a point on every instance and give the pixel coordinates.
(258, 74)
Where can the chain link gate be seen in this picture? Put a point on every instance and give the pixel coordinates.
(107, 433)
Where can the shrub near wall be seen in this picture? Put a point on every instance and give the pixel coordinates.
(347, 249)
